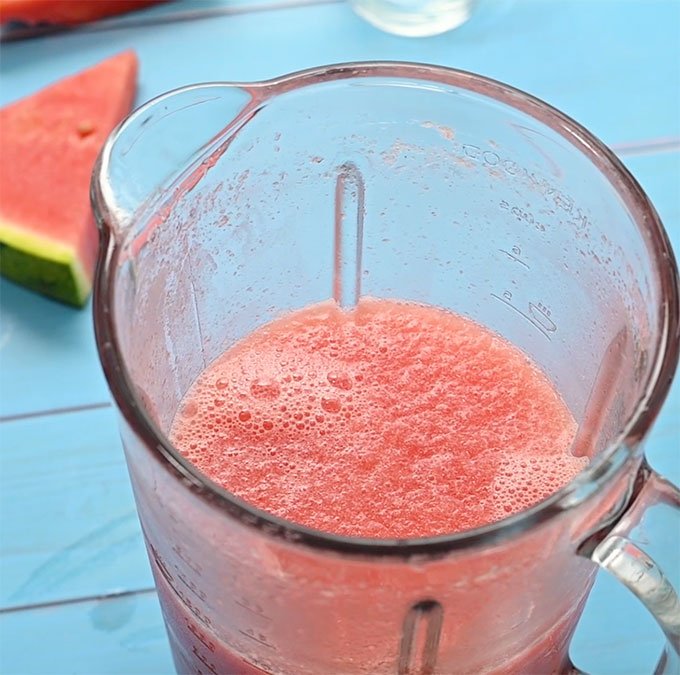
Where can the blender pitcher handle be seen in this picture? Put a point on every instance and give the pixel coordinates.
(619, 550)
(158, 141)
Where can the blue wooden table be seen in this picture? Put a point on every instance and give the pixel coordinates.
(76, 594)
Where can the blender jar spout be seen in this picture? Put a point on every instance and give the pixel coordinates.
(161, 138)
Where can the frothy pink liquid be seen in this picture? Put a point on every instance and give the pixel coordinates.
(391, 420)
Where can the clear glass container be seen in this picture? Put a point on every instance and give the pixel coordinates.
(415, 18)
(223, 205)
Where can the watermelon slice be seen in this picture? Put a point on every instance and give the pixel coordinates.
(48, 145)
(66, 12)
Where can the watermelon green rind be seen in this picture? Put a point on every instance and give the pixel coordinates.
(42, 265)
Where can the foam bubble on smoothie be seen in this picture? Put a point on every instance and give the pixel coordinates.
(389, 420)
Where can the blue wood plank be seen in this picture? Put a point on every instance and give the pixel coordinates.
(68, 527)
(104, 637)
(71, 530)
(620, 90)
(48, 355)
(614, 69)
(126, 635)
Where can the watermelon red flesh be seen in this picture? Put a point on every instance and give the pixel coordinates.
(66, 12)
(48, 146)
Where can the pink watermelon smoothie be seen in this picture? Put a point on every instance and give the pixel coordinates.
(390, 420)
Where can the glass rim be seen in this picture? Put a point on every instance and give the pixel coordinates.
(599, 471)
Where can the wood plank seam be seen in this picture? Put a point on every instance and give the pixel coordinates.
(55, 411)
(75, 601)
(652, 146)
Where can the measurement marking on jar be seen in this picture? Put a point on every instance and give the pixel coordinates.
(257, 610)
(522, 215)
(541, 317)
(204, 661)
(192, 587)
(195, 567)
(201, 637)
(538, 315)
(202, 618)
(515, 254)
(260, 638)
(161, 566)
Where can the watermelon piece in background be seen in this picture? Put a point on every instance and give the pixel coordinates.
(66, 12)
(49, 142)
